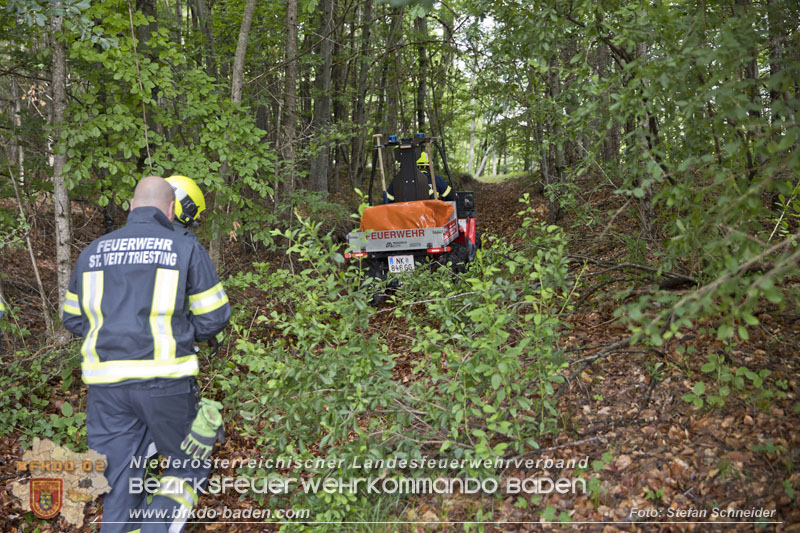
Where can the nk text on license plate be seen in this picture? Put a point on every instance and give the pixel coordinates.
(401, 263)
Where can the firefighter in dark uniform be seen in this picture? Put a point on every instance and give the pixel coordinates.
(445, 192)
(140, 297)
(189, 203)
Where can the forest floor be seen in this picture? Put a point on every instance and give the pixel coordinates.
(662, 454)
(622, 407)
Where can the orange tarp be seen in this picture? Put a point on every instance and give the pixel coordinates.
(407, 215)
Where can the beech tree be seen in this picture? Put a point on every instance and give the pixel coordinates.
(61, 200)
(318, 173)
(289, 120)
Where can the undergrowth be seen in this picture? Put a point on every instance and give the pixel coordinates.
(312, 378)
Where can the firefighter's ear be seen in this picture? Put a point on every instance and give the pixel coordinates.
(171, 211)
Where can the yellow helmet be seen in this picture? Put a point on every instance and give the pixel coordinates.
(423, 162)
(189, 201)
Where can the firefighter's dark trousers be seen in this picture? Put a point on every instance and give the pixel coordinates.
(122, 421)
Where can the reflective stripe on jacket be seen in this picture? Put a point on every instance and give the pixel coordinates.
(140, 297)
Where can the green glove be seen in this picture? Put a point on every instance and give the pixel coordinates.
(207, 424)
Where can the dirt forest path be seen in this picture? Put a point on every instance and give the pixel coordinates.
(497, 205)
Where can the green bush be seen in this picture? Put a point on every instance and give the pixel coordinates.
(27, 403)
(324, 386)
(489, 339)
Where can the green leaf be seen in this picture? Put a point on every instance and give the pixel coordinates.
(725, 331)
(743, 333)
(711, 366)
(749, 319)
(66, 409)
(499, 449)
(699, 388)
(549, 514)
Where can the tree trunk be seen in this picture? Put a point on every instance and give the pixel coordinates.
(61, 201)
(647, 215)
(527, 164)
(359, 114)
(440, 83)
(421, 27)
(17, 152)
(45, 307)
(610, 151)
(339, 83)
(145, 31)
(178, 33)
(570, 149)
(237, 82)
(483, 161)
(289, 126)
(204, 14)
(544, 163)
(471, 164)
(393, 82)
(776, 34)
(307, 45)
(141, 46)
(237, 76)
(554, 83)
(779, 57)
(322, 102)
(192, 29)
(555, 93)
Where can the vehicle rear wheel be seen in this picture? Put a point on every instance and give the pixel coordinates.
(458, 257)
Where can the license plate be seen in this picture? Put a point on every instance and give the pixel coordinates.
(401, 263)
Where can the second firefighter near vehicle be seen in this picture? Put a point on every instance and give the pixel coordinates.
(421, 218)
